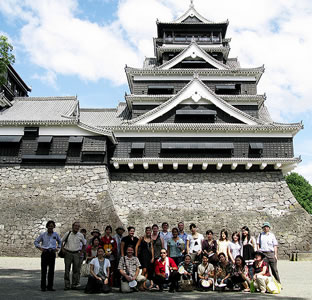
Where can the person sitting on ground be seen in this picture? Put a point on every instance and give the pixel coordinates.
(110, 247)
(146, 254)
(158, 242)
(129, 268)
(185, 269)
(166, 272)
(234, 247)
(210, 248)
(240, 277)
(129, 240)
(223, 243)
(92, 249)
(99, 274)
(261, 272)
(205, 273)
(224, 270)
(176, 247)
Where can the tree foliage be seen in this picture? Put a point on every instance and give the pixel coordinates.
(6, 58)
(301, 189)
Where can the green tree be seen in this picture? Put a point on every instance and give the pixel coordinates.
(301, 189)
(6, 58)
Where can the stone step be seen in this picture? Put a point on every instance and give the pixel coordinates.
(301, 256)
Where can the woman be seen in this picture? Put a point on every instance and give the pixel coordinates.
(158, 242)
(240, 277)
(194, 244)
(234, 246)
(92, 249)
(210, 248)
(205, 273)
(99, 274)
(146, 254)
(166, 272)
(109, 245)
(187, 267)
(224, 270)
(261, 272)
(249, 246)
(176, 247)
(129, 240)
(223, 243)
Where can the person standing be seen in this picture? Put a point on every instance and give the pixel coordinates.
(176, 247)
(129, 240)
(165, 234)
(182, 233)
(267, 244)
(118, 237)
(158, 242)
(48, 243)
(72, 250)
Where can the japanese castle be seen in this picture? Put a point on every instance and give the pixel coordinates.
(191, 108)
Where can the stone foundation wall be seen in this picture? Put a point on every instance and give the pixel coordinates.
(31, 196)
(214, 201)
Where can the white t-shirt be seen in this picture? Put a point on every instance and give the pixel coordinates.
(96, 263)
(74, 241)
(235, 249)
(195, 244)
(268, 242)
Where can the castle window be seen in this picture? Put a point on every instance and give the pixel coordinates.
(44, 144)
(93, 149)
(228, 89)
(255, 150)
(9, 145)
(31, 131)
(160, 90)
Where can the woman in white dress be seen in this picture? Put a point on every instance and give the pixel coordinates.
(234, 247)
(223, 244)
(194, 243)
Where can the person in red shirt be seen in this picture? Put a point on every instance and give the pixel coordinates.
(166, 272)
(109, 245)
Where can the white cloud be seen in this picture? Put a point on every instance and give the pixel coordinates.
(48, 78)
(305, 170)
(274, 33)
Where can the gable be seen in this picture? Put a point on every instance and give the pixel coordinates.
(195, 92)
(192, 19)
(195, 53)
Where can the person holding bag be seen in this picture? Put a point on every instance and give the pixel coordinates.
(99, 274)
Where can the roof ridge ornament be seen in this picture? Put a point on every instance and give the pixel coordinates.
(192, 3)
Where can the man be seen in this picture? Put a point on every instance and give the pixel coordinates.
(118, 237)
(95, 232)
(165, 234)
(82, 253)
(72, 250)
(267, 244)
(46, 243)
(182, 234)
(129, 267)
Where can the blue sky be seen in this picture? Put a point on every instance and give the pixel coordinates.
(80, 47)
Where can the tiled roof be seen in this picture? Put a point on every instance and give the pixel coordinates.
(149, 63)
(233, 63)
(102, 117)
(41, 110)
(264, 114)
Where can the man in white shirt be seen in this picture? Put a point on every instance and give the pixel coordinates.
(165, 234)
(71, 246)
(267, 244)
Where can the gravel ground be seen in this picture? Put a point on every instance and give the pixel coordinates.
(20, 279)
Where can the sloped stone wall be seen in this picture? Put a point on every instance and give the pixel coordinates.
(214, 201)
(31, 196)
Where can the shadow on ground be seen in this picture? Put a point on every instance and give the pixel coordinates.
(24, 284)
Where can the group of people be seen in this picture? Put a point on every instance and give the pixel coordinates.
(159, 260)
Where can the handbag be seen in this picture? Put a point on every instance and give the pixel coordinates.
(85, 270)
(61, 254)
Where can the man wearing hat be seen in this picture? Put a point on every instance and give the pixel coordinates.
(267, 244)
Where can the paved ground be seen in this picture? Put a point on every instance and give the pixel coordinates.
(20, 279)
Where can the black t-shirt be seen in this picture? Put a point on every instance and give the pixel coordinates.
(128, 241)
